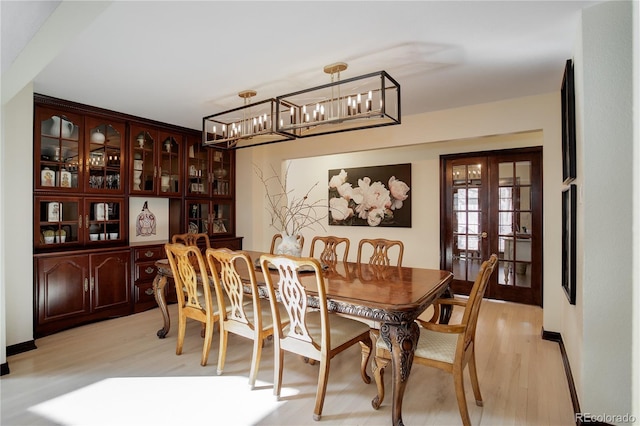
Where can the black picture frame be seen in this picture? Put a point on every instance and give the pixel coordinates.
(569, 197)
(568, 124)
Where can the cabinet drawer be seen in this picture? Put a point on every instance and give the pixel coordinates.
(145, 271)
(149, 253)
(144, 292)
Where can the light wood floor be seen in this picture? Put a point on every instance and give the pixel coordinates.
(118, 372)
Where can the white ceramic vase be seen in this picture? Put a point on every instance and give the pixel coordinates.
(289, 245)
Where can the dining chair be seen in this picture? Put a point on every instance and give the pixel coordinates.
(312, 333)
(332, 246)
(250, 318)
(195, 300)
(380, 250)
(448, 347)
(190, 239)
(277, 237)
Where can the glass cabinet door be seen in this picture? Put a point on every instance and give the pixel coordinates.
(105, 148)
(198, 174)
(169, 167)
(198, 216)
(58, 150)
(58, 222)
(221, 214)
(104, 219)
(144, 169)
(221, 182)
(209, 217)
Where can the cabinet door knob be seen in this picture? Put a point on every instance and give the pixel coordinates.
(148, 292)
(149, 269)
(149, 253)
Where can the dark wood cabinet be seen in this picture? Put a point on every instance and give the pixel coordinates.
(88, 162)
(76, 288)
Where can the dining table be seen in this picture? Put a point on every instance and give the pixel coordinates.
(390, 297)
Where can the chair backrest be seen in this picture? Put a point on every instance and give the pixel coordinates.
(277, 237)
(225, 265)
(381, 250)
(191, 277)
(470, 316)
(293, 295)
(332, 245)
(191, 239)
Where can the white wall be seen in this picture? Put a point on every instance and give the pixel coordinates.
(606, 188)
(17, 226)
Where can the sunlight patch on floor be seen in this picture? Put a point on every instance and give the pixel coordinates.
(163, 401)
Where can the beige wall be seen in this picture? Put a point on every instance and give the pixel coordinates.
(420, 140)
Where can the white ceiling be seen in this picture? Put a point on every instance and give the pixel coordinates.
(177, 61)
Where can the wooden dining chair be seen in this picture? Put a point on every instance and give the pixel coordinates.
(190, 239)
(332, 246)
(312, 333)
(448, 347)
(381, 250)
(195, 299)
(244, 314)
(277, 237)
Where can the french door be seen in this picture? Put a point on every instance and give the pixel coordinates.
(491, 202)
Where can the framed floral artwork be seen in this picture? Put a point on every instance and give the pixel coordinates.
(371, 196)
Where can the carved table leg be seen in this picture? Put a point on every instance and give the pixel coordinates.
(402, 339)
(158, 291)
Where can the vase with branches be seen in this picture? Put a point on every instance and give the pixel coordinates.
(289, 214)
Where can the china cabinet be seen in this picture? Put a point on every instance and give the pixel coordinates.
(88, 163)
(157, 158)
(75, 288)
(75, 153)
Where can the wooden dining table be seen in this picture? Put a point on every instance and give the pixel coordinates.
(388, 296)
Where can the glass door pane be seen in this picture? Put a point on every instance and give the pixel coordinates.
(59, 151)
(467, 206)
(104, 157)
(144, 168)
(197, 168)
(170, 164)
(59, 221)
(514, 223)
(198, 216)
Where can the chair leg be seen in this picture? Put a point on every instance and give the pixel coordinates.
(277, 370)
(366, 354)
(323, 377)
(208, 337)
(378, 365)
(255, 361)
(458, 380)
(474, 380)
(222, 351)
(182, 326)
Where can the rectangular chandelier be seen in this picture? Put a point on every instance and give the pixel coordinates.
(367, 101)
(363, 102)
(242, 127)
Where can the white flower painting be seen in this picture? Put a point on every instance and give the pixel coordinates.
(370, 196)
